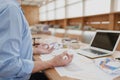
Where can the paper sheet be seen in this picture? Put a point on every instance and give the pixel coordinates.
(84, 69)
(80, 68)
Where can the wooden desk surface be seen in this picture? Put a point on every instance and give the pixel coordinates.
(51, 73)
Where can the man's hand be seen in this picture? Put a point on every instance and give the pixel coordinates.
(43, 48)
(61, 60)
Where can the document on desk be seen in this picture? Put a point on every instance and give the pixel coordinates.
(84, 69)
(80, 68)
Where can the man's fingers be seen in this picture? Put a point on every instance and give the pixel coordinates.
(67, 56)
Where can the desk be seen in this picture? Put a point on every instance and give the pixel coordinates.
(51, 73)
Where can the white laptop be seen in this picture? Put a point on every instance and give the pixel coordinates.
(103, 43)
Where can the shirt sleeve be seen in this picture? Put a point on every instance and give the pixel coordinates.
(11, 62)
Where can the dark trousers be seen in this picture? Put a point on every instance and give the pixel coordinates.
(38, 76)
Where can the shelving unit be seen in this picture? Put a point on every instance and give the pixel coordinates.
(109, 21)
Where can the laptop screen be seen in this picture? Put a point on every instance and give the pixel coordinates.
(105, 40)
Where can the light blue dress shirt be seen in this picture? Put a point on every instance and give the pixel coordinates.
(15, 43)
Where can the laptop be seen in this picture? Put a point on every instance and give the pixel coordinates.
(103, 43)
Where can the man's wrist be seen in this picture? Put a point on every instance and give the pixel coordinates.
(50, 63)
(36, 51)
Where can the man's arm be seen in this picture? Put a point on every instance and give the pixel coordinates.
(11, 63)
(55, 62)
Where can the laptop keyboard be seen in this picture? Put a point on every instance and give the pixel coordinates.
(95, 52)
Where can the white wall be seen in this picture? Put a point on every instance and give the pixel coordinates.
(118, 5)
(77, 8)
(93, 7)
(60, 13)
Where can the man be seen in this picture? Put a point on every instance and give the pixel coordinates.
(16, 45)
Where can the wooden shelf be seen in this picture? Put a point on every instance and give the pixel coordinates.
(109, 21)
